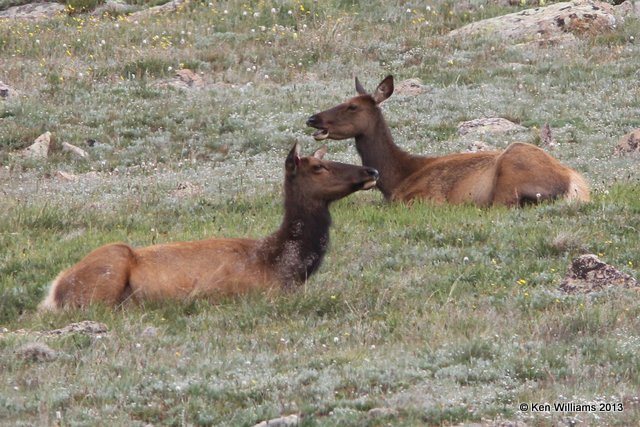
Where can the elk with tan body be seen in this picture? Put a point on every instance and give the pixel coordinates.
(116, 273)
(520, 174)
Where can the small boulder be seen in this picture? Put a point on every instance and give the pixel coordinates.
(187, 78)
(589, 274)
(6, 91)
(150, 332)
(66, 176)
(410, 87)
(113, 8)
(169, 7)
(489, 125)
(39, 149)
(183, 79)
(382, 412)
(476, 146)
(37, 352)
(287, 421)
(630, 143)
(76, 151)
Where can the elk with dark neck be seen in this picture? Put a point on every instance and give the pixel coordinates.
(116, 273)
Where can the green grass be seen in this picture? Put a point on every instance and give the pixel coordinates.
(426, 308)
(446, 314)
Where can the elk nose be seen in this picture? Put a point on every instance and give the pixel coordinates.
(313, 120)
(373, 173)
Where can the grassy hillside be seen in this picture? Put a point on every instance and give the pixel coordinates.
(447, 315)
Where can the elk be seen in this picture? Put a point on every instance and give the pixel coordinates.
(519, 175)
(116, 273)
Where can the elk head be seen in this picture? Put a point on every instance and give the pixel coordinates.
(353, 117)
(324, 180)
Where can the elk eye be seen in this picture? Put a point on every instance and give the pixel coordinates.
(318, 168)
(352, 107)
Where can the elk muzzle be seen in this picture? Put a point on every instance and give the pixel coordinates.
(316, 122)
(372, 178)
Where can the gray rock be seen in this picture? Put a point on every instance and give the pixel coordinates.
(410, 87)
(113, 7)
(588, 273)
(39, 149)
(76, 151)
(476, 146)
(489, 125)
(66, 176)
(628, 8)
(629, 143)
(382, 412)
(287, 421)
(37, 352)
(150, 332)
(88, 327)
(169, 7)
(186, 78)
(34, 11)
(6, 91)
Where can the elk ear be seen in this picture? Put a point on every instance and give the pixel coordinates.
(384, 90)
(293, 159)
(320, 152)
(359, 88)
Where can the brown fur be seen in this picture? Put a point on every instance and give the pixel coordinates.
(521, 174)
(115, 273)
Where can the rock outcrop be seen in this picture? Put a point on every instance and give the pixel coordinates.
(553, 23)
(34, 11)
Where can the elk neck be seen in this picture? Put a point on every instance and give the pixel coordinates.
(377, 150)
(296, 249)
